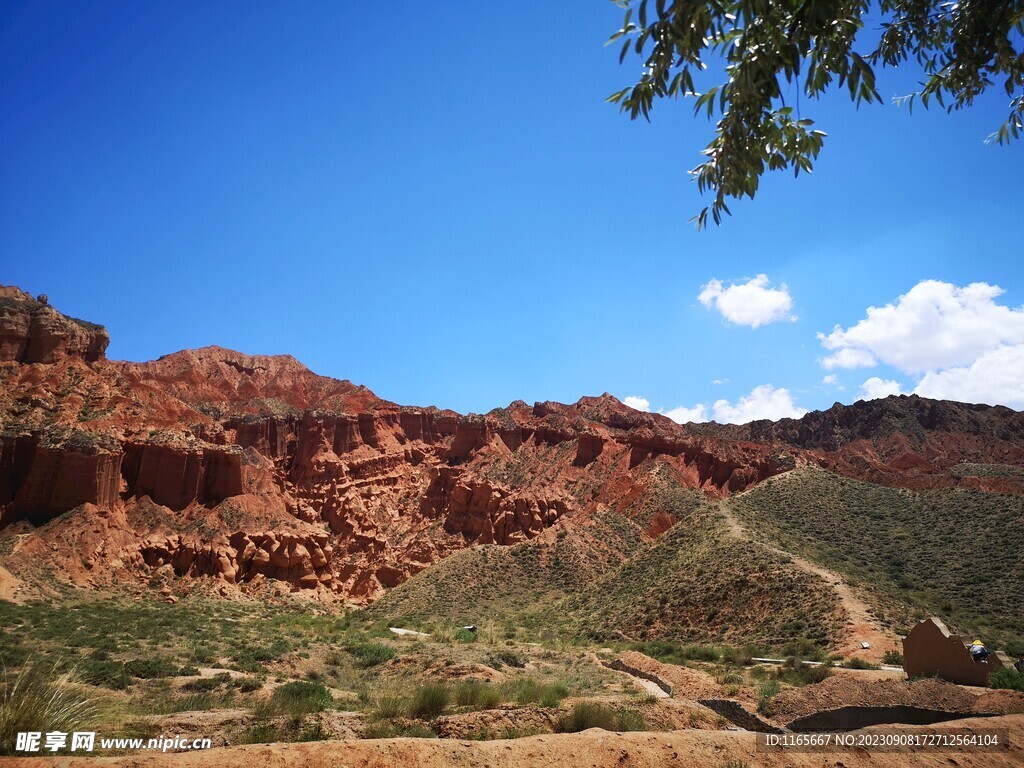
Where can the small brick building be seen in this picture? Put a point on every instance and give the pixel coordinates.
(931, 650)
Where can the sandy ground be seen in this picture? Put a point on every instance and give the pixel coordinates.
(8, 586)
(862, 626)
(590, 749)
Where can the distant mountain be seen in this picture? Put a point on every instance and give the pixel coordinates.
(251, 472)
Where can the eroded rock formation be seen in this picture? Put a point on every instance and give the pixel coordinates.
(31, 331)
(245, 468)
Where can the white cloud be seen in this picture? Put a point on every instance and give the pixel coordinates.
(720, 381)
(830, 379)
(876, 388)
(763, 402)
(849, 358)
(996, 378)
(637, 403)
(684, 415)
(753, 303)
(933, 326)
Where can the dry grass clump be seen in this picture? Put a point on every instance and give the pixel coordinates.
(38, 698)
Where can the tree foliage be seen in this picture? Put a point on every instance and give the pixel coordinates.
(764, 46)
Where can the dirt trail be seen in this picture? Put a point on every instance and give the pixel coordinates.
(594, 748)
(9, 584)
(862, 627)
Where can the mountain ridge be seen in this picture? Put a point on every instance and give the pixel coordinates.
(244, 473)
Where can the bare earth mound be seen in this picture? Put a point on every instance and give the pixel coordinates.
(844, 691)
(594, 748)
(686, 683)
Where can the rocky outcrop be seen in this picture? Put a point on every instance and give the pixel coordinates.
(319, 483)
(486, 513)
(176, 476)
(910, 415)
(588, 448)
(272, 436)
(302, 560)
(31, 331)
(470, 435)
(42, 476)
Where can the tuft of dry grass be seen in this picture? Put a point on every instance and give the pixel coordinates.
(38, 698)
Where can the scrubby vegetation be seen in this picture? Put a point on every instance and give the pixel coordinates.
(693, 596)
(529, 690)
(284, 668)
(767, 691)
(595, 715)
(893, 658)
(693, 582)
(300, 697)
(473, 694)
(987, 470)
(909, 547)
(1007, 678)
(372, 654)
(39, 698)
(696, 582)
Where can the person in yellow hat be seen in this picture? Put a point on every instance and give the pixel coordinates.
(978, 651)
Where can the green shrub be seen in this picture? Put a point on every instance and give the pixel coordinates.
(387, 706)
(38, 699)
(528, 690)
(463, 635)
(662, 650)
(252, 658)
(858, 663)
(430, 700)
(146, 669)
(893, 658)
(1006, 678)
(300, 697)
(248, 684)
(108, 674)
(314, 731)
(203, 655)
(202, 684)
(631, 720)
(371, 654)
(766, 691)
(500, 659)
(741, 657)
(803, 649)
(12, 654)
(262, 732)
(795, 672)
(700, 653)
(588, 714)
(472, 693)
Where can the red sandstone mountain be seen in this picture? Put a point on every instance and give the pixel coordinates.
(248, 468)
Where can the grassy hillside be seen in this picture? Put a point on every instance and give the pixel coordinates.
(515, 587)
(956, 553)
(604, 581)
(698, 584)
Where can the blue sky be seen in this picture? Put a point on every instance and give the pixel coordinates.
(436, 202)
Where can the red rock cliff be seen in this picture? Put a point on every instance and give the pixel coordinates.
(31, 331)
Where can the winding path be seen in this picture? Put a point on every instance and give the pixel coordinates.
(861, 627)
